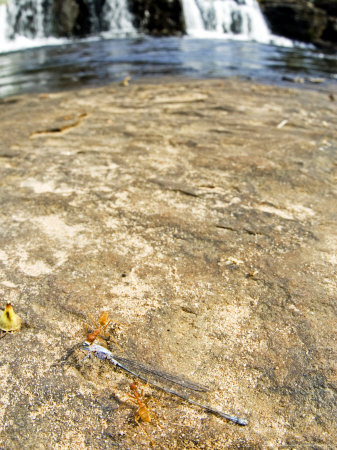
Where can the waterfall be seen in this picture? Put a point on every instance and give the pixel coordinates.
(22, 24)
(2, 25)
(23, 18)
(25, 23)
(225, 18)
(118, 17)
(29, 23)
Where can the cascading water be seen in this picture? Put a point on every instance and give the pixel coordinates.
(27, 23)
(23, 20)
(118, 17)
(225, 18)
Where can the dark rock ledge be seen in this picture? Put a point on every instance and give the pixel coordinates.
(302, 20)
(77, 18)
(201, 215)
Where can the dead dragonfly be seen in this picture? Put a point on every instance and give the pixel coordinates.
(123, 363)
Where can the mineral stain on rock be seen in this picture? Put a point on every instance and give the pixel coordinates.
(199, 224)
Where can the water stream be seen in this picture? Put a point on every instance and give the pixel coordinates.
(226, 18)
(226, 38)
(29, 24)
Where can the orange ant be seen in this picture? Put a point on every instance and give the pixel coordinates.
(98, 329)
(144, 413)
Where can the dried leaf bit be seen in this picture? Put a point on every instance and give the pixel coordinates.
(9, 320)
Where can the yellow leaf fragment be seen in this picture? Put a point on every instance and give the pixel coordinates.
(9, 320)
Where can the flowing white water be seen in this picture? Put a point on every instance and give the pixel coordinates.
(22, 25)
(26, 23)
(2, 24)
(118, 16)
(233, 19)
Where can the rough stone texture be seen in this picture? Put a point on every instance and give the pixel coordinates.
(295, 19)
(159, 18)
(303, 20)
(81, 18)
(201, 215)
(65, 15)
(330, 7)
(77, 17)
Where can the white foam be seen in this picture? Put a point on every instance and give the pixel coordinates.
(205, 19)
(119, 17)
(228, 20)
(22, 35)
(23, 43)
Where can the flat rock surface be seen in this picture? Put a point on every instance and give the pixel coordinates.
(202, 216)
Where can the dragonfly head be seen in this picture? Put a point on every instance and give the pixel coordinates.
(86, 345)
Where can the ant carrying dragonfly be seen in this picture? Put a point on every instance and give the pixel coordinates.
(143, 372)
(144, 412)
(135, 368)
(98, 329)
